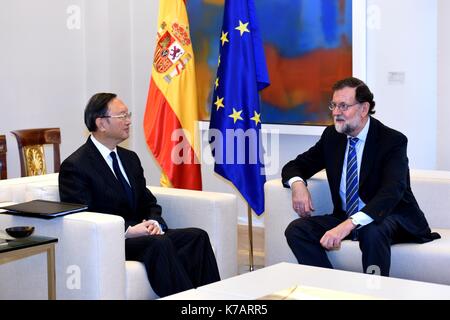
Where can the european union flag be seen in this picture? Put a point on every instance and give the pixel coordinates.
(235, 115)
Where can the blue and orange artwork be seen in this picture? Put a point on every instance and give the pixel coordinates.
(308, 47)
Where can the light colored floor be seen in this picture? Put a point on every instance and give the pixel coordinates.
(244, 245)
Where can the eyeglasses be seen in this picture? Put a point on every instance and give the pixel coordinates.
(122, 116)
(341, 106)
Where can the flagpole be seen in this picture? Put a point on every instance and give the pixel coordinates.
(250, 239)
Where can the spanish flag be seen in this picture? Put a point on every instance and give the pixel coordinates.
(171, 112)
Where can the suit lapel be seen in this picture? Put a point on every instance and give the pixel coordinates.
(369, 152)
(339, 153)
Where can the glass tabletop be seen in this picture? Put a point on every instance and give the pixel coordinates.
(31, 241)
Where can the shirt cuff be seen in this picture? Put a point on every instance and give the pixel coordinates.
(126, 232)
(361, 219)
(295, 179)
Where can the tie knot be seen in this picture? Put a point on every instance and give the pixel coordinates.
(353, 142)
(113, 155)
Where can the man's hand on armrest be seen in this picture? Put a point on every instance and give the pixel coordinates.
(301, 199)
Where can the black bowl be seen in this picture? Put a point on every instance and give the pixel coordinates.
(20, 232)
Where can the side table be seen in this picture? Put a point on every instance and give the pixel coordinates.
(12, 250)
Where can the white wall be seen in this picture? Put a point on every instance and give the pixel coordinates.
(41, 73)
(443, 91)
(406, 42)
(48, 72)
(143, 37)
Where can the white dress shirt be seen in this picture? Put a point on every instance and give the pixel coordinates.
(359, 218)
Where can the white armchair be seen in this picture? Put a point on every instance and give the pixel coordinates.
(422, 262)
(90, 254)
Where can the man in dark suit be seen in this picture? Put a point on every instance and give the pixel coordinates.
(110, 179)
(368, 176)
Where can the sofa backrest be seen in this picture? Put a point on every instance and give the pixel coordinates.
(15, 190)
(432, 191)
(430, 187)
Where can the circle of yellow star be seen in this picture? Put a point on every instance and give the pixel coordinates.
(219, 103)
(236, 115)
(217, 82)
(256, 118)
(242, 27)
(224, 38)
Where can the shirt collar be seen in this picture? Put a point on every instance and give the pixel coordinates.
(102, 148)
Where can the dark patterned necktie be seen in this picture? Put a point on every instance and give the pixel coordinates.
(126, 187)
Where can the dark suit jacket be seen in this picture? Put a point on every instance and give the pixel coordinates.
(384, 183)
(86, 178)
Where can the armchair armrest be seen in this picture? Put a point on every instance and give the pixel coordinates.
(90, 258)
(279, 214)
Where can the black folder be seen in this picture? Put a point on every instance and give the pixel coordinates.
(44, 209)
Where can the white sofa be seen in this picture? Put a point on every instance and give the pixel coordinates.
(428, 262)
(90, 254)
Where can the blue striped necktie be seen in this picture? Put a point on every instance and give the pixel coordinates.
(352, 185)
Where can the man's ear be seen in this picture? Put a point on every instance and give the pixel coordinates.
(100, 124)
(366, 107)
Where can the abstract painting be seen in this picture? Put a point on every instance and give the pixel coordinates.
(308, 47)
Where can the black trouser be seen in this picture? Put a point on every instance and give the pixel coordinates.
(303, 236)
(179, 260)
